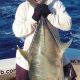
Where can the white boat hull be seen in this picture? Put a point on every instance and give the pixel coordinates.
(7, 69)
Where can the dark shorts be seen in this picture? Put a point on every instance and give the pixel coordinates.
(69, 72)
(21, 74)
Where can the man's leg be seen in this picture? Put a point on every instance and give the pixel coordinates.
(69, 72)
(21, 74)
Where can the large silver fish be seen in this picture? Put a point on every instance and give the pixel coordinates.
(44, 55)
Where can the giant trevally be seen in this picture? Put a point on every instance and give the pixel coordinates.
(44, 55)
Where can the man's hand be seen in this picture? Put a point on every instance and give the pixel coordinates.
(37, 13)
(40, 10)
(45, 10)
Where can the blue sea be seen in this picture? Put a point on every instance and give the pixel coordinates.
(8, 41)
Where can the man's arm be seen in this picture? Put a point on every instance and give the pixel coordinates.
(22, 27)
(60, 18)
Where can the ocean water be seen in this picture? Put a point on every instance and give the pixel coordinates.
(8, 41)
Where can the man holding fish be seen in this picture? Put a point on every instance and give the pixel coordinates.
(26, 21)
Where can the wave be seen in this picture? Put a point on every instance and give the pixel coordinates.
(6, 33)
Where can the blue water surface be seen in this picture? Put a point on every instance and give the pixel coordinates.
(8, 41)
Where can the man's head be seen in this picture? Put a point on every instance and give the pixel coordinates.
(35, 2)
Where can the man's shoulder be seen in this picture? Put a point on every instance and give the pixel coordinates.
(52, 1)
(24, 3)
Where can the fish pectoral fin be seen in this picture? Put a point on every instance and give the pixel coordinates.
(24, 54)
(64, 46)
